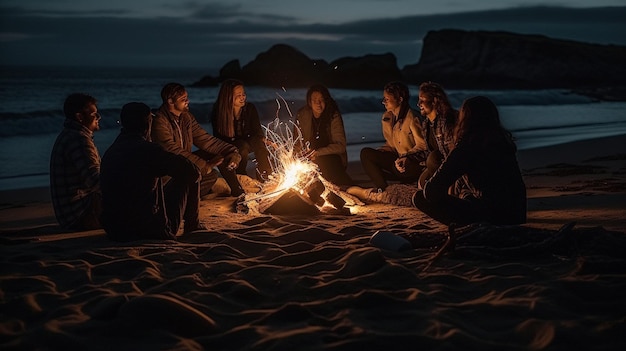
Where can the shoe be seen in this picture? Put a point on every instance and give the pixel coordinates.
(376, 195)
(248, 184)
(361, 193)
(220, 188)
(198, 226)
(240, 205)
(367, 194)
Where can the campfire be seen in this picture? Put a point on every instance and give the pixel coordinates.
(295, 185)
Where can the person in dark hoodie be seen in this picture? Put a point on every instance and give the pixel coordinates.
(484, 160)
(136, 203)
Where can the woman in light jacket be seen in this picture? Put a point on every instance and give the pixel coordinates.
(403, 155)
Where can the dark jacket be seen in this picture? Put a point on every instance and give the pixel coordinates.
(491, 176)
(336, 134)
(250, 125)
(179, 134)
(132, 192)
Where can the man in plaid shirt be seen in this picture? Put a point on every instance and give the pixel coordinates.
(75, 166)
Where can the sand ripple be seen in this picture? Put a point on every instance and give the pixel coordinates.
(278, 283)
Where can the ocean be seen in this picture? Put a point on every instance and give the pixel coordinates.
(31, 102)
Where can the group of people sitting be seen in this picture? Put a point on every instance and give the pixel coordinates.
(460, 166)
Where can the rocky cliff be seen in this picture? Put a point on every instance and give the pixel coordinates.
(285, 66)
(454, 58)
(465, 59)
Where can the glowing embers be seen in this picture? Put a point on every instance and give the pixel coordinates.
(295, 185)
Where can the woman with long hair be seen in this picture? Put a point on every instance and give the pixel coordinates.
(439, 121)
(404, 152)
(323, 135)
(236, 121)
(484, 161)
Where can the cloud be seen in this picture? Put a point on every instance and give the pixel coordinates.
(17, 11)
(285, 36)
(212, 34)
(8, 36)
(228, 13)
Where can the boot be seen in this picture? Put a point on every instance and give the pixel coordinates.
(361, 193)
(367, 194)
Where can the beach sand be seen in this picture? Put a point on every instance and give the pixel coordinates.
(269, 282)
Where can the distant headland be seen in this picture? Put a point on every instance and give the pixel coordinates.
(454, 58)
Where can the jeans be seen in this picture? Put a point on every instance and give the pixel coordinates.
(332, 169)
(210, 178)
(380, 167)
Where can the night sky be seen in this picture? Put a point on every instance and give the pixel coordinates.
(210, 33)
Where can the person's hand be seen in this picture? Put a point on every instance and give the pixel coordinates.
(401, 164)
(232, 160)
(312, 155)
(214, 162)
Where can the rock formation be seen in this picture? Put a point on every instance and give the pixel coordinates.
(285, 66)
(454, 58)
(467, 59)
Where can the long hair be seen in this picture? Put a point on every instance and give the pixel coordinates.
(223, 111)
(441, 104)
(399, 90)
(331, 105)
(479, 124)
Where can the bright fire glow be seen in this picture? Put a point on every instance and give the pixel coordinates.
(295, 173)
(291, 169)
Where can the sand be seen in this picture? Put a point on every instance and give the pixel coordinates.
(269, 282)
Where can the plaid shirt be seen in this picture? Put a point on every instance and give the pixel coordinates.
(74, 172)
(443, 133)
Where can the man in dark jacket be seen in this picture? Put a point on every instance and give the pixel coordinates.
(136, 204)
(178, 131)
